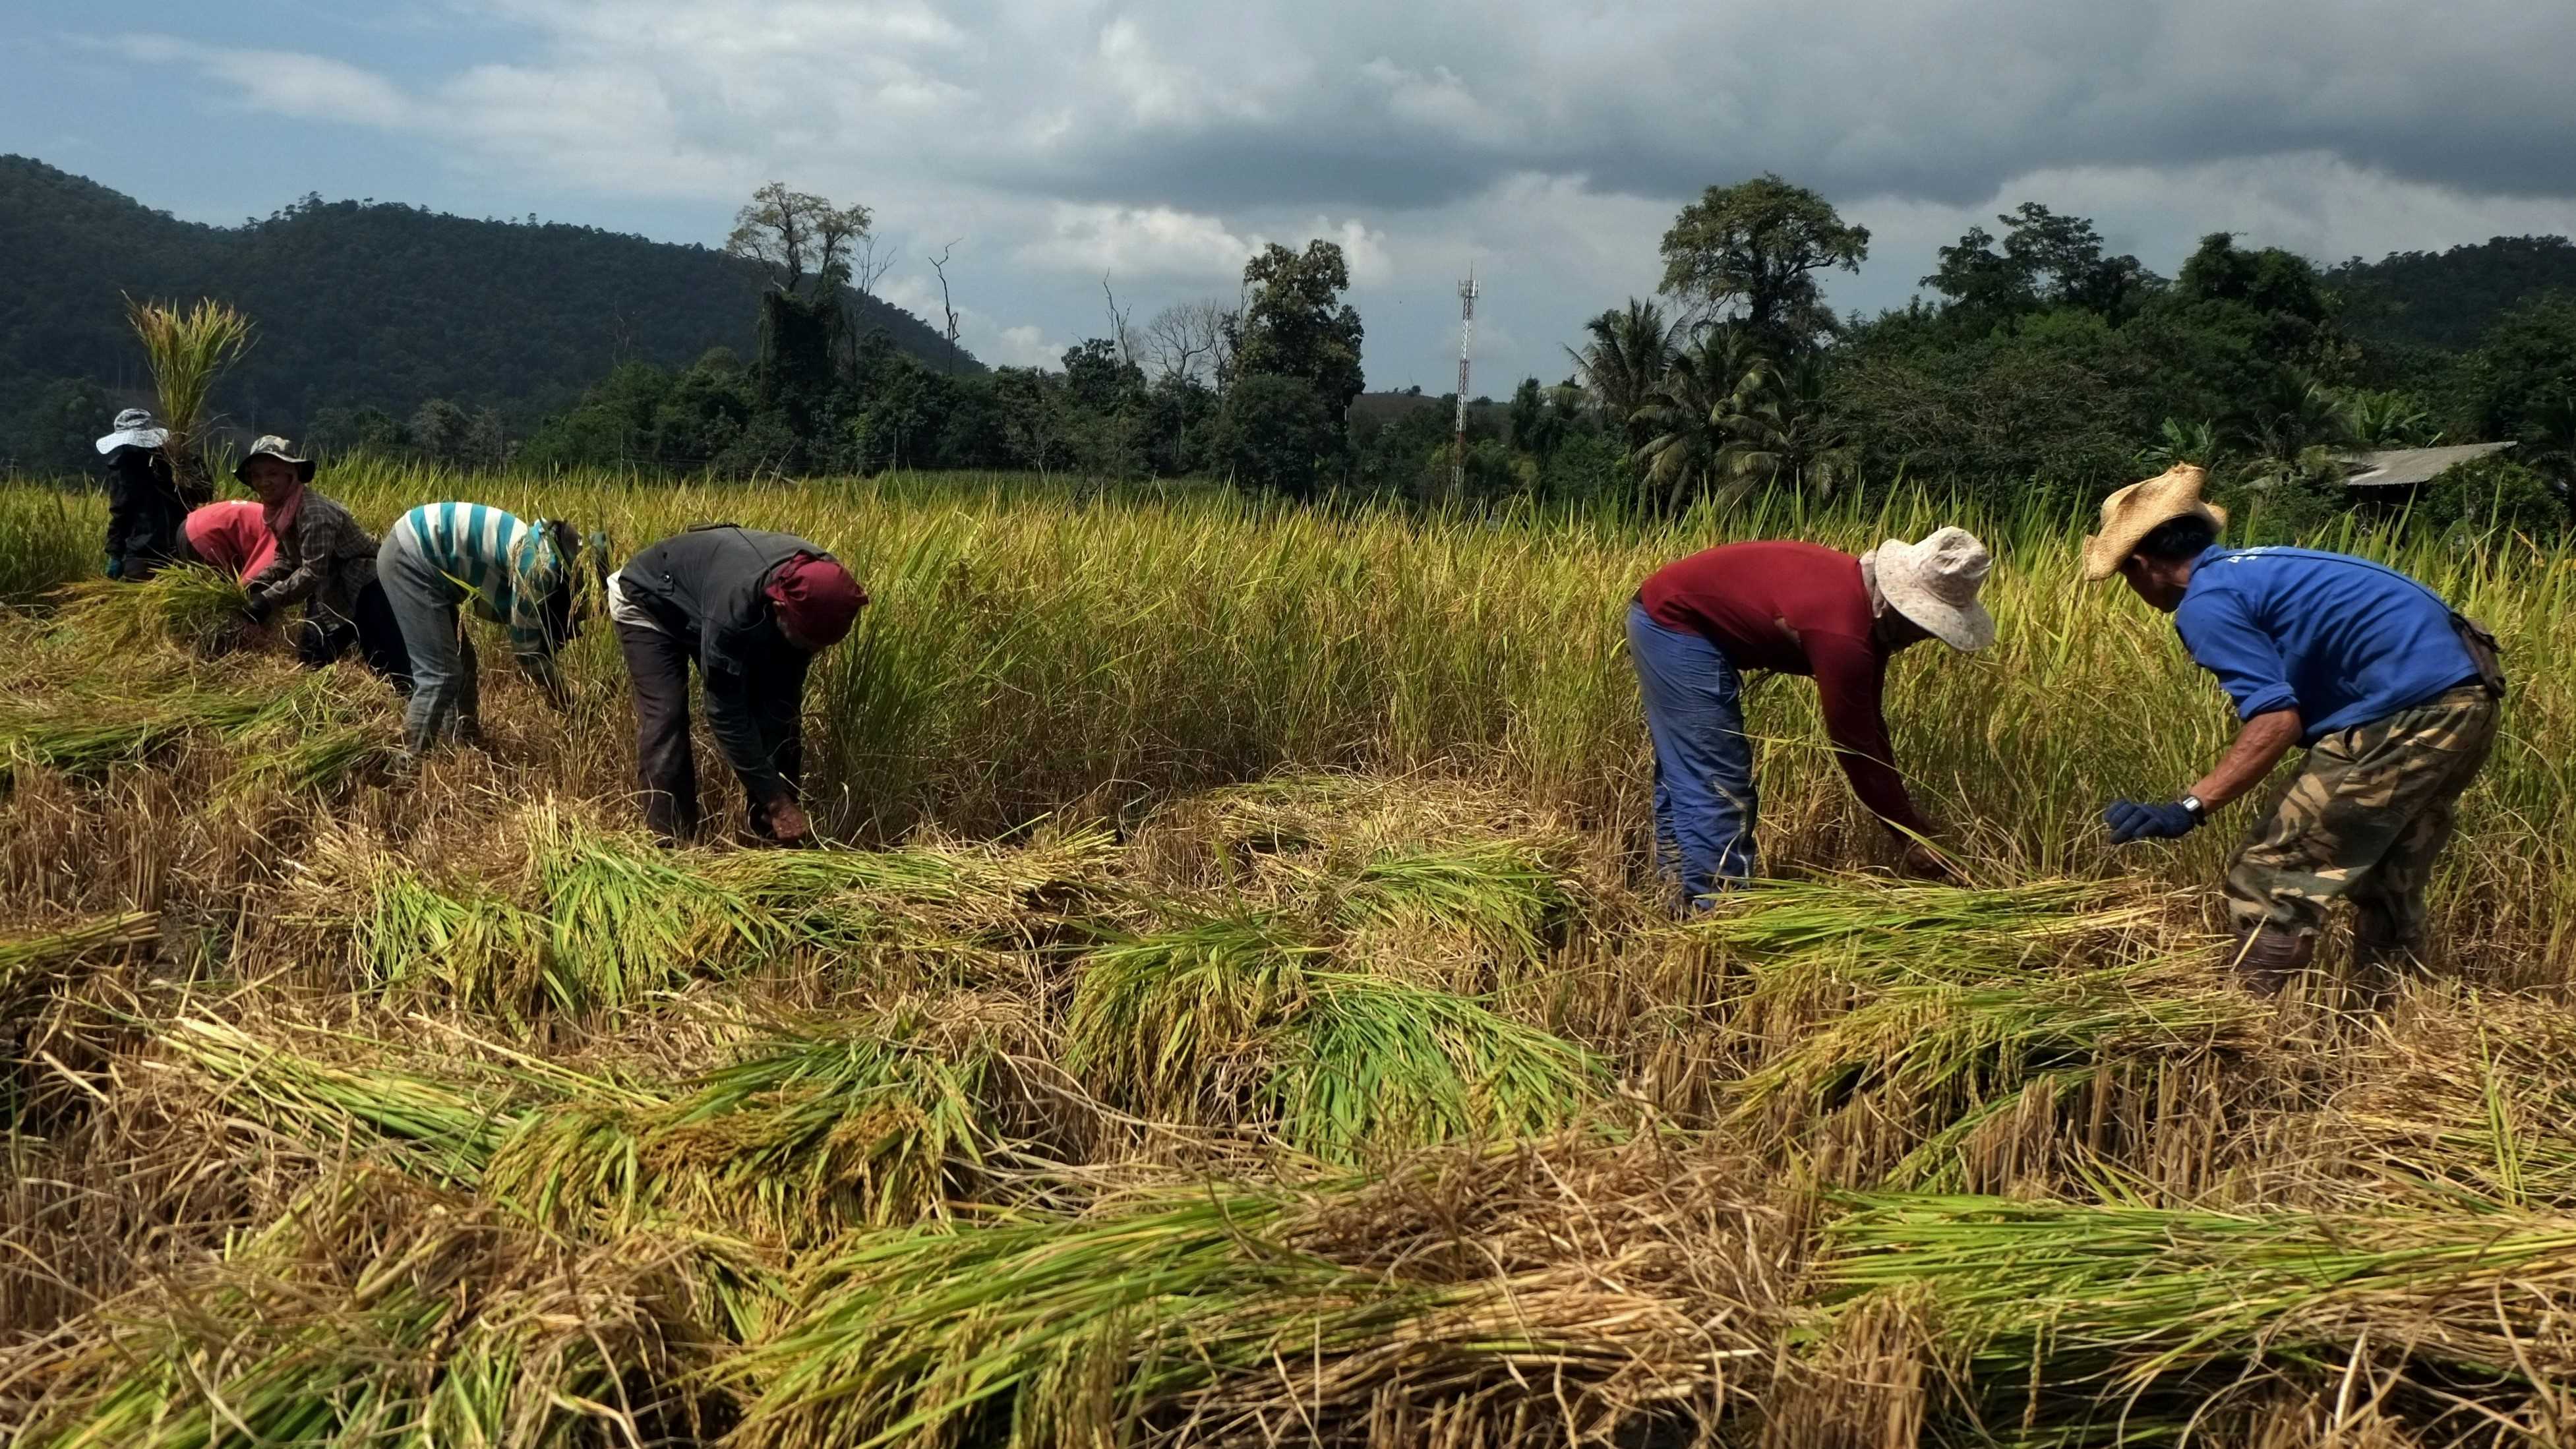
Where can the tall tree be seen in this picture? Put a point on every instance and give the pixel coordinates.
(803, 240)
(1752, 250)
(2044, 260)
(1294, 322)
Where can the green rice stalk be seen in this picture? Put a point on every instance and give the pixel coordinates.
(1498, 893)
(1863, 929)
(190, 605)
(435, 1130)
(1170, 1023)
(1372, 1065)
(186, 352)
(2112, 1301)
(90, 733)
(1030, 1329)
(479, 950)
(629, 921)
(336, 1326)
(27, 962)
(1916, 1070)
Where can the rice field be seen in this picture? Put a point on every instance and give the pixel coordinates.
(1235, 1010)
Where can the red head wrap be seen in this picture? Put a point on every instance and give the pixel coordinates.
(815, 598)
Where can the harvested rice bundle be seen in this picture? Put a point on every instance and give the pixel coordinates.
(417, 942)
(2084, 1313)
(1936, 1083)
(1496, 900)
(1621, 1289)
(801, 1137)
(1370, 1066)
(1266, 840)
(629, 920)
(1863, 929)
(1174, 1024)
(52, 1019)
(201, 610)
(863, 896)
(372, 1315)
(1236, 1021)
(27, 962)
(88, 732)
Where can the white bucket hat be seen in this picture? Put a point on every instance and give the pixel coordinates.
(134, 428)
(1935, 584)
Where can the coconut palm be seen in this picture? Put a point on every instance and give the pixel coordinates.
(1779, 431)
(2388, 420)
(1688, 417)
(2182, 442)
(2291, 435)
(1625, 360)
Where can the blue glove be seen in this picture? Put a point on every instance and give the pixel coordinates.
(2130, 820)
(115, 567)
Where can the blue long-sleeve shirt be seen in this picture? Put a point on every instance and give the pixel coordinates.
(2340, 639)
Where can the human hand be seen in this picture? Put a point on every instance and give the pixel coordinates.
(2130, 821)
(787, 822)
(1922, 862)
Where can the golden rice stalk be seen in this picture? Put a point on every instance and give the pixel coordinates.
(186, 352)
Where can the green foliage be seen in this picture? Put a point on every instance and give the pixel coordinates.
(1276, 435)
(2492, 493)
(2449, 300)
(1752, 250)
(1295, 324)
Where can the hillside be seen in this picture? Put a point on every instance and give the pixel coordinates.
(2448, 299)
(361, 305)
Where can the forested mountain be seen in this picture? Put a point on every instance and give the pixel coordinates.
(2449, 299)
(358, 305)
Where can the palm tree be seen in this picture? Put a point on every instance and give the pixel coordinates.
(2181, 442)
(2388, 420)
(1688, 417)
(1625, 360)
(2292, 434)
(1780, 431)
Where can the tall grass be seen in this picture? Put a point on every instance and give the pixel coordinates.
(1028, 656)
(186, 351)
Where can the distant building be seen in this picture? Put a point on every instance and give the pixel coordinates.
(2383, 473)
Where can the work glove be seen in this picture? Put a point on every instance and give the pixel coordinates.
(115, 567)
(2130, 820)
(258, 609)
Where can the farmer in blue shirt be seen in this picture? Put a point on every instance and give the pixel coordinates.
(2367, 668)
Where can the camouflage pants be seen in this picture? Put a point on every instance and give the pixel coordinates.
(2365, 819)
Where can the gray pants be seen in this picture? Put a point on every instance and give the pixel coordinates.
(445, 703)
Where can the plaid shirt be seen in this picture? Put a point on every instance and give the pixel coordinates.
(506, 567)
(322, 556)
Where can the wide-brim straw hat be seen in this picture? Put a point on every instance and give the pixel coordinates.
(1935, 583)
(134, 428)
(273, 446)
(2129, 515)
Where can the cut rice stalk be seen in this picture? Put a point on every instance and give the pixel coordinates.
(1372, 1065)
(1171, 1023)
(194, 607)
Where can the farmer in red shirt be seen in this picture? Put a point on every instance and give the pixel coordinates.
(1794, 608)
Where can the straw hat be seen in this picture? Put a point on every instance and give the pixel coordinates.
(273, 446)
(2137, 510)
(134, 428)
(1935, 584)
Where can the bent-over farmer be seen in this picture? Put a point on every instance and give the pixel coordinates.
(231, 537)
(752, 609)
(1791, 608)
(520, 574)
(2392, 692)
(318, 557)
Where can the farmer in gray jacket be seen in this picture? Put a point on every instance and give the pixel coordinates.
(753, 609)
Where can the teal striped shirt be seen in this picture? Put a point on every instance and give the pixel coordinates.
(504, 565)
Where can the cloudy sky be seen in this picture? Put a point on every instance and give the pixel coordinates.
(1544, 145)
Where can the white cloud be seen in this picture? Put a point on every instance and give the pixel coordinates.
(1546, 145)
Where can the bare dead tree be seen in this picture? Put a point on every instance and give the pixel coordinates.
(939, 266)
(1122, 334)
(867, 266)
(1184, 340)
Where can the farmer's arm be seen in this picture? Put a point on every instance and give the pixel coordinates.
(2227, 642)
(1849, 677)
(296, 571)
(735, 720)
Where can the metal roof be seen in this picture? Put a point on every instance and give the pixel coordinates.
(2398, 467)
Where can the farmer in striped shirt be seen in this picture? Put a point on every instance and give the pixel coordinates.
(519, 574)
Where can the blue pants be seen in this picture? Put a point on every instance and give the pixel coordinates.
(1704, 801)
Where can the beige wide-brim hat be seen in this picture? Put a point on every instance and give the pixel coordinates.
(2139, 509)
(1935, 584)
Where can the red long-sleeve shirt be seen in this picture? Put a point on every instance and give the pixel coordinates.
(1797, 608)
